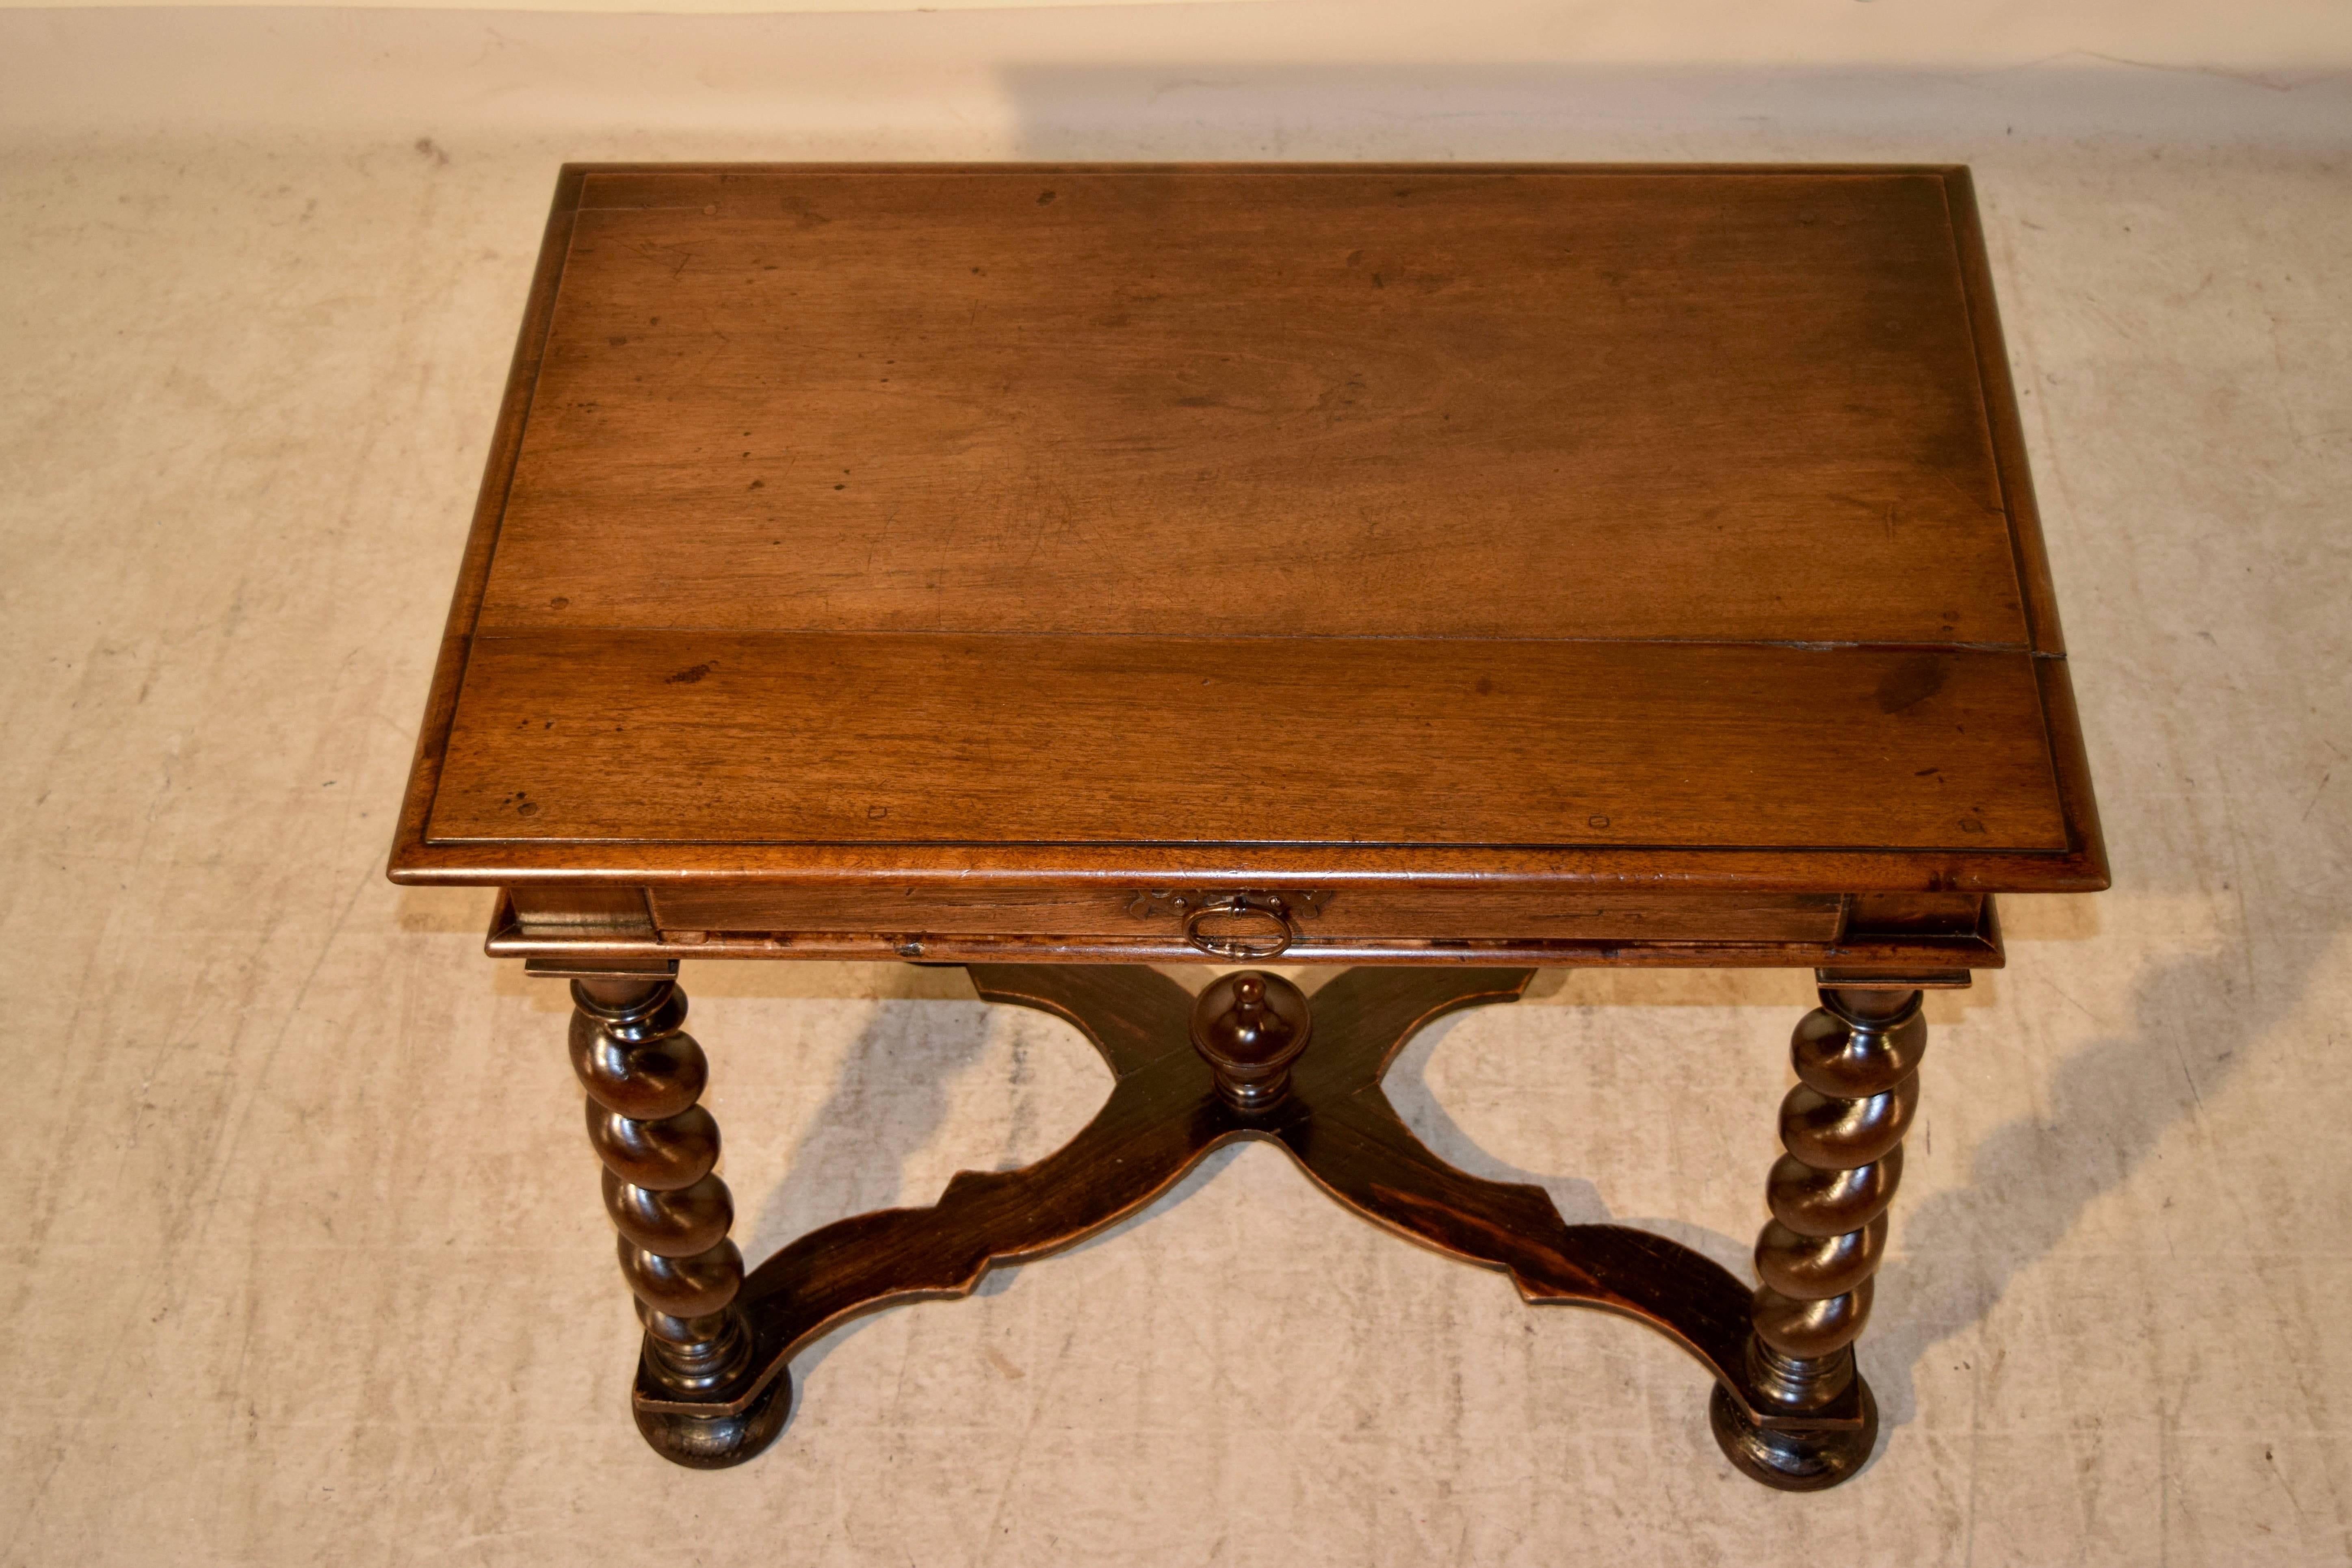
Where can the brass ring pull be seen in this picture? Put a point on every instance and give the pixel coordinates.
(1273, 944)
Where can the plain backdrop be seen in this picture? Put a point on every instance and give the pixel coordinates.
(300, 1256)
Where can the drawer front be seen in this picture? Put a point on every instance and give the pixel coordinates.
(1347, 914)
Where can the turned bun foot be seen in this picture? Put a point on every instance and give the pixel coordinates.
(1800, 1460)
(1249, 1027)
(715, 1442)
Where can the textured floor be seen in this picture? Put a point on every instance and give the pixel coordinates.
(301, 1259)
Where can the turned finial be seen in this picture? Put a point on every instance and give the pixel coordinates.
(1249, 1027)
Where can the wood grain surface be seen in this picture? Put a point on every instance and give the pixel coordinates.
(1540, 403)
(1393, 913)
(913, 738)
(1517, 526)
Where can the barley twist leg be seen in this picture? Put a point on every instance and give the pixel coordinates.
(643, 1076)
(1857, 1060)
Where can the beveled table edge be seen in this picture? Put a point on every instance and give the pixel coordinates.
(2080, 868)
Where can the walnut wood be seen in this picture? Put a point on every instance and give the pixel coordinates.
(555, 906)
(1250, 1027)
(908, 738)
(1166, 1112)
(1477, 567)
(1857, 1063)
(489, 508)
(1359, 1150)
(1563, 868)
(1357, 914)
(1298, 389)
(644, 1074)
(1914, 914)
(1896, 954)
(2041, 599)
(1535, 621)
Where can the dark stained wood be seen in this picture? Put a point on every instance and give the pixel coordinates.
(1710, 478)
(643, 1075)
(1894, 955)
(1356, 915)
(1136, 1147)
(2041, 598)
(489, 508)
(1554, 868)
(1264, 403)
(1444, 569)
(1250, 1027)
(1165, 1113)
(508, 938)
(1923, 914)
(2071, 767)
(913, 739)
(1857, 1062)
(1360, 1151)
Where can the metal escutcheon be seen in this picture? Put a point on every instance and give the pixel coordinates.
(1266, 906)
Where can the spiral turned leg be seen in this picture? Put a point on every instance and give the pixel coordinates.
(643, 1075)
(1857, 1058)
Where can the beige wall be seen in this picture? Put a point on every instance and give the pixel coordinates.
(1283, 79)
(2229, 33)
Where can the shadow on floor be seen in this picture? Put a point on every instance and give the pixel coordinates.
(2030, 1180)
(888, 1101)
(2110, 1105)
(2196, 1022)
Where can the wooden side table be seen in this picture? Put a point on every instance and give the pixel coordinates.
(1445, 571)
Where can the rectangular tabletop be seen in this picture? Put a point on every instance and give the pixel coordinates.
(1529, 525)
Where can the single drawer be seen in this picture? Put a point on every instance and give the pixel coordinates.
(1314, 915)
